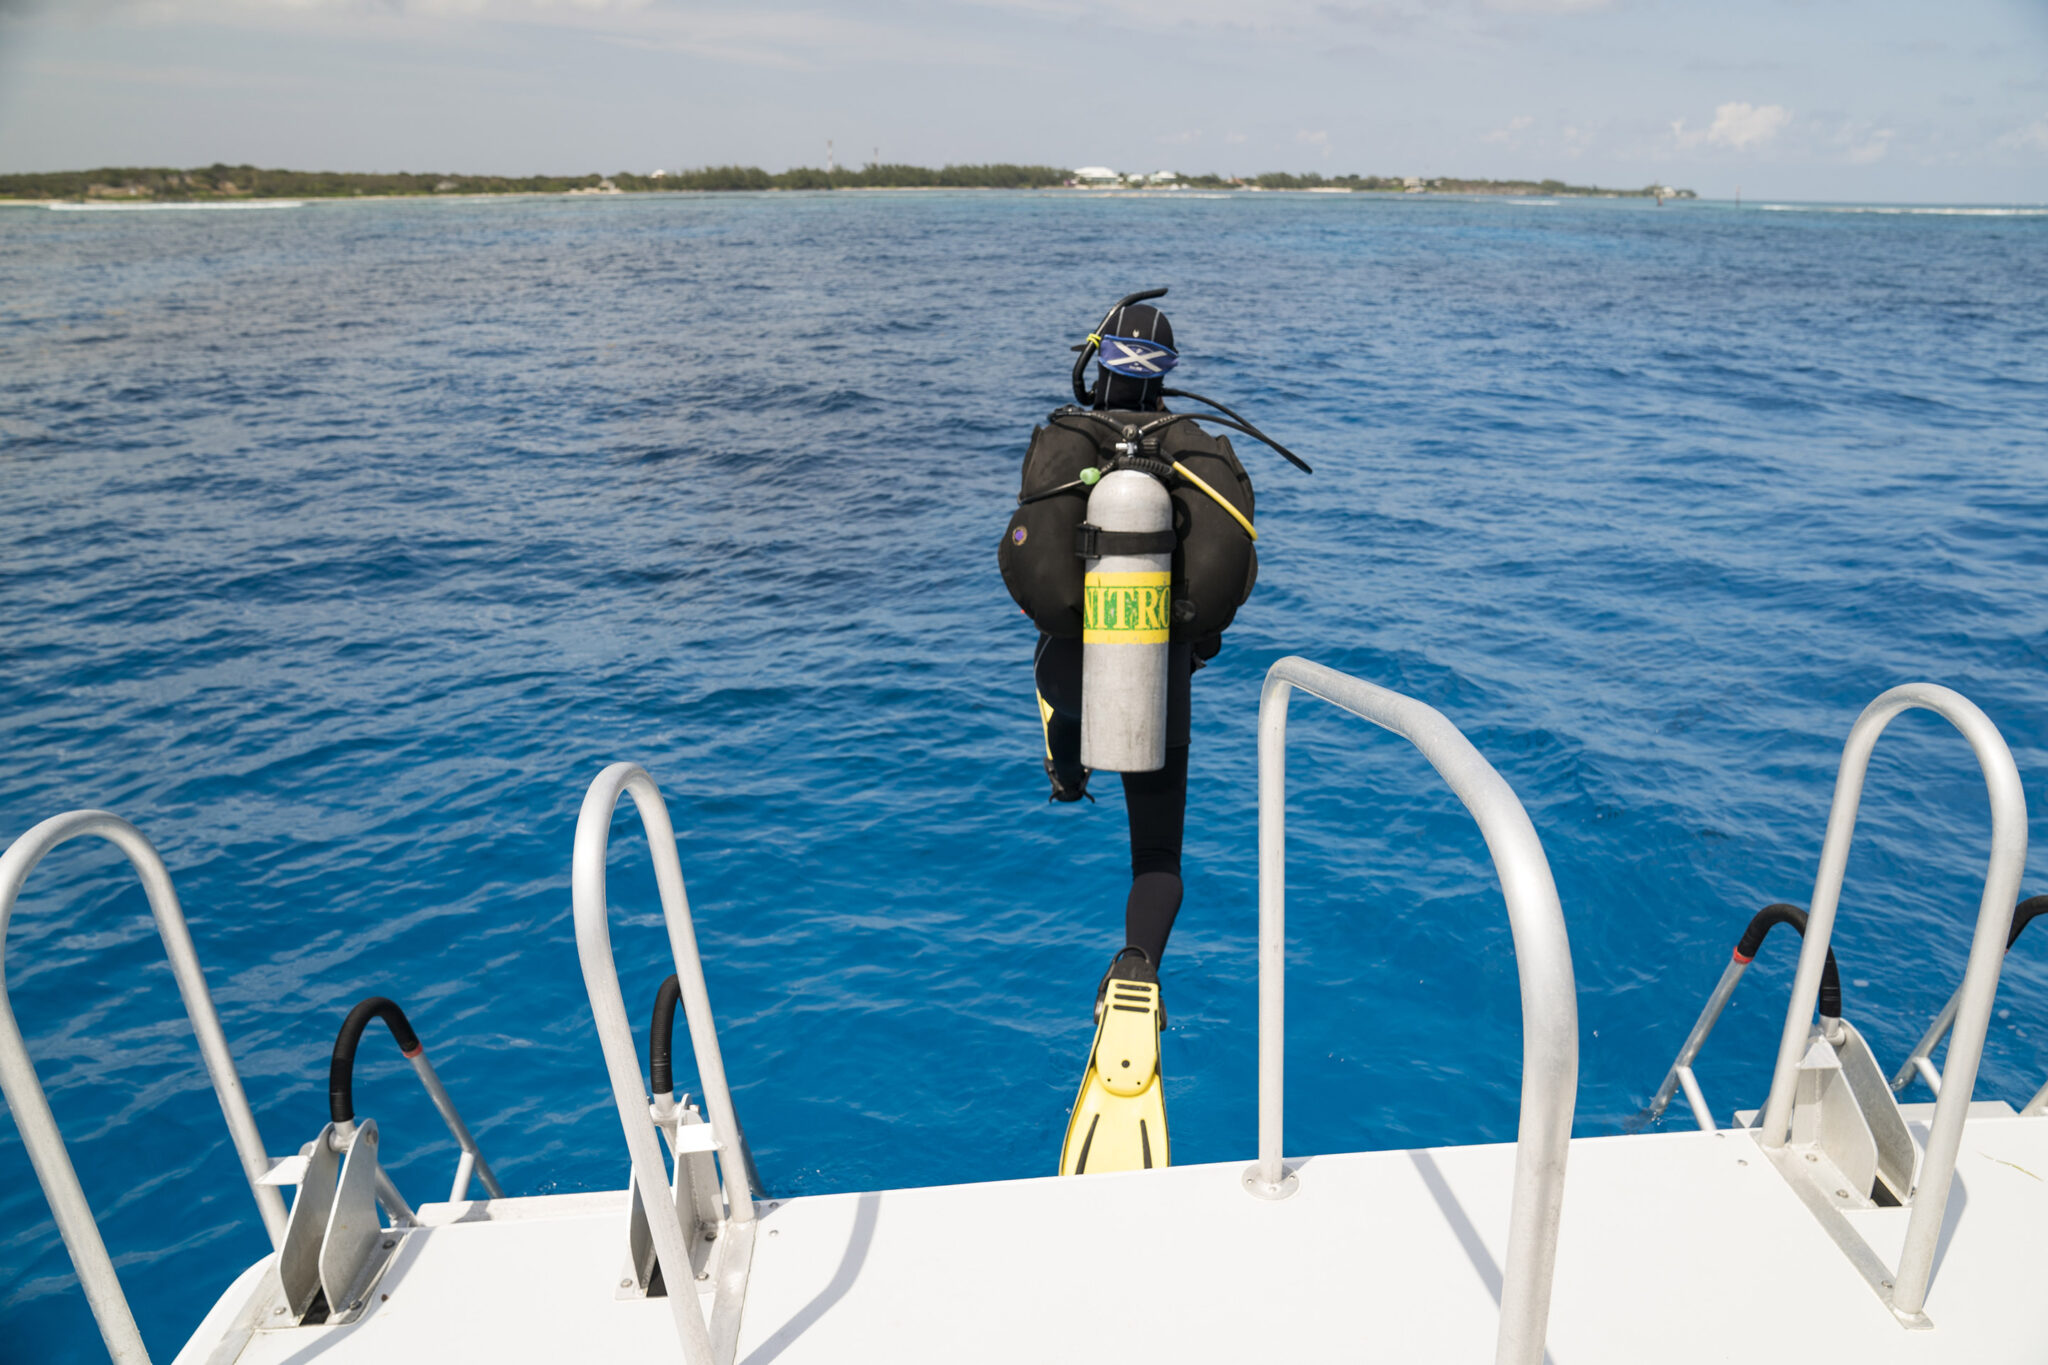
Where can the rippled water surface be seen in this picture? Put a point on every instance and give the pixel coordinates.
(341, 545)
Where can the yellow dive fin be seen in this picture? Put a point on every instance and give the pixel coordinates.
(1119, 1121)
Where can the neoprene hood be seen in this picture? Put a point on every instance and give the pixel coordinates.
(1137, 351)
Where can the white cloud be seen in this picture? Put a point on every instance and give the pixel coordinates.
(222, 9)
(1519, 124)
(1233, 139)
(1319, 138)
(811, 36)
(1871, 149)
(2032, 138)
(1746, 125)
(1381, 23)
(1737, 126)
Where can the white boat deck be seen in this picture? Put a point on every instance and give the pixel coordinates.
(1686, 1247)
(1679, 1246)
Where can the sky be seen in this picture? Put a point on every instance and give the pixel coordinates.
(1871, 100)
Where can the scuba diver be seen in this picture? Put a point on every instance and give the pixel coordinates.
(1131, 550)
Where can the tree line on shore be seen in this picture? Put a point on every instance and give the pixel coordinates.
(114, 184)
(1281, 180)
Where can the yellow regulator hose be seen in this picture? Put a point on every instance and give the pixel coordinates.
(1235, 515)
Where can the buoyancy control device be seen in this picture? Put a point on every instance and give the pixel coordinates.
(1134, 528)
(1213, 561)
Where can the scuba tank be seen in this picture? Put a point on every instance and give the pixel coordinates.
(1126, 622)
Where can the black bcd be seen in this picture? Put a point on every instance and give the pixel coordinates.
(1214, 562)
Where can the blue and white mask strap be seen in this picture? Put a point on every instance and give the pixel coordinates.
(1136, 357)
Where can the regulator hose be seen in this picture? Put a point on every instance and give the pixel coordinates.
(1090, 477)
(341, 1100)
(1170, 418)
(1769, 918)
(1217, 498)
(1242, 425)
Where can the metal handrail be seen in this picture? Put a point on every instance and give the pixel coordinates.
(1550, 1012)
(621, 1055)
(31, 1108)
(1980, 977)
(341, 1089)
(1681, 1073)
(1920, 1062)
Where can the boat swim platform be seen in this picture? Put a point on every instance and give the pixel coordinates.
(1834, 1220)
(1685, 1246)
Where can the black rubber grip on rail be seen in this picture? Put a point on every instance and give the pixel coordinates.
(661, 1039)
(1769, 918)
(2024, 914)
(341, 1098)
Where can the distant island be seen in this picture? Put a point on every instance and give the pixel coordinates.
(145, 184)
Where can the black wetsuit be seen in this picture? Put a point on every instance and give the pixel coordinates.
(1157, 801)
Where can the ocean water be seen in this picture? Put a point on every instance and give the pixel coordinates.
(341, 545)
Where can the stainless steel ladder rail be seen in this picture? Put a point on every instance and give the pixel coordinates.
(622, 1058)
(31, 1108)
(1550, 1011)
(1908, 1291)
(1681, 1075)
(1920, 1062)
(470, 1163)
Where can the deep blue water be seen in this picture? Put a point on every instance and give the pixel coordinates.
(340, 546)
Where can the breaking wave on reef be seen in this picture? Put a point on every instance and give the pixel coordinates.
(180, 206)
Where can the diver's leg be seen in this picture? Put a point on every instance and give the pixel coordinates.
(1157, 803)
(1056, 668)
(1114, 1126)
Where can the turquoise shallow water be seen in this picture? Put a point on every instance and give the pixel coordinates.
(340, 546)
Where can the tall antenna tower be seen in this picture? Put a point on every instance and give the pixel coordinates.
(830, 165)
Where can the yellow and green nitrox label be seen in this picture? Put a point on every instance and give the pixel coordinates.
(1126, 608)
